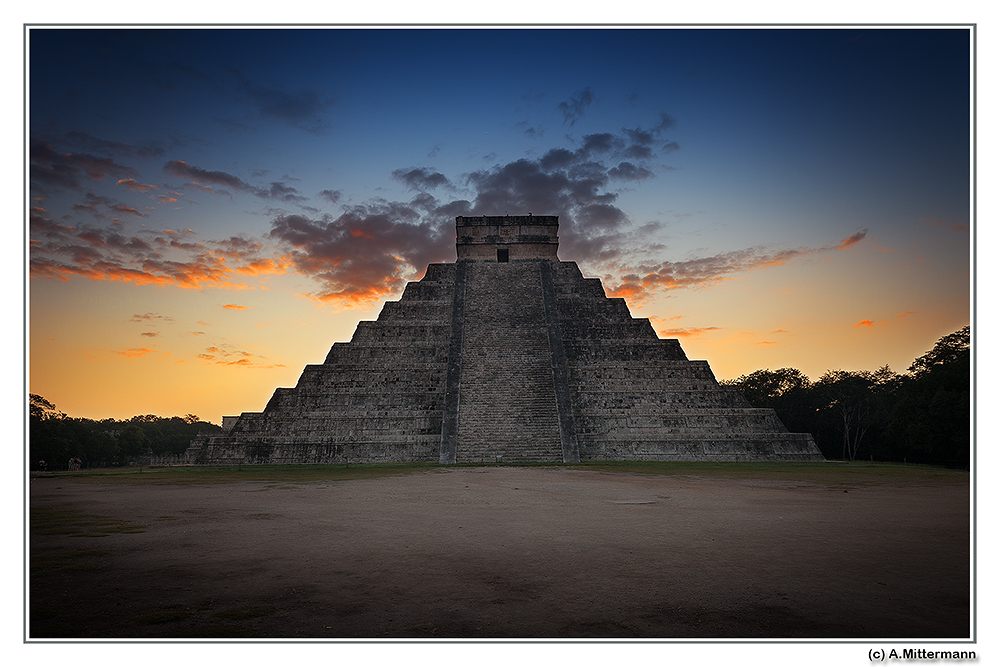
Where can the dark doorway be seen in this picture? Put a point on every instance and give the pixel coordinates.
(503, 255)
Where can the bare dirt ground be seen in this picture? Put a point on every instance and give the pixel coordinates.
(502, 552)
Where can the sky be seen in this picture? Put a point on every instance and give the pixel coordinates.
(211, 209)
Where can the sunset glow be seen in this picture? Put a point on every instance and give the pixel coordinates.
(212, 209)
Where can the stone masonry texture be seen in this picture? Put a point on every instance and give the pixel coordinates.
(508, 355)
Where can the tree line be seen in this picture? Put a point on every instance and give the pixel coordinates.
(56, 439)
(921, 416)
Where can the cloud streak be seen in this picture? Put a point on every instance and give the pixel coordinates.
(63, 252)
(701, 272)
(303, 109)
(573, 108)
(205, 179)
(51, 169)
(853, 239)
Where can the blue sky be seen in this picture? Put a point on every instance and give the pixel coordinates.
(212, 208)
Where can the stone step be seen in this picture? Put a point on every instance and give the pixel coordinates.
(507, 404)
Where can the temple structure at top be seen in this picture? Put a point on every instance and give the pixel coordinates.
(504, 238)
(506, 355)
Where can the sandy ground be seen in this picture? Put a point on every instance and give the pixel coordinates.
(502, 552)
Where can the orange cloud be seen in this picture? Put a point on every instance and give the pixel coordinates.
(684, 333)
(358, 294)
(233, 306)
(224, 355)
(864, 323)
(107, 254)
(136, 352)
(122, 208)
(132, 184)
(852, 239)
(909, 312)
(40, 268)
(149, 317)
(260, 267)
(947, 224)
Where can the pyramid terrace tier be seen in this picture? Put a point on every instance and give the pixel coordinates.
(511, 358)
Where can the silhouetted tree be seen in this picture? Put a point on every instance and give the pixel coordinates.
(132, 441)
(952, 350)
(39, 408)
(930, 421)
(56, 438)
(859, 401)
(921, 416)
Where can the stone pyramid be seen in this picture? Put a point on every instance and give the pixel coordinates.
(507, 355)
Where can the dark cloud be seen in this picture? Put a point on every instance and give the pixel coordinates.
(238, 247)
(67, 170)
(181, 169)
(667, 122)
(332, 196)
(573, 109)
(149, 317)
(529, 130)
(420, 178)
(853, 239)
(626, 171)
(639, 136)
(200, 177)
(368, 252)
(601, 216)
(122, 208)
(601, 143)
(92, 204)
(232, 126)
(303, 106)
(86, 142)
(284, 193)
(303, 109)
(558, 158)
